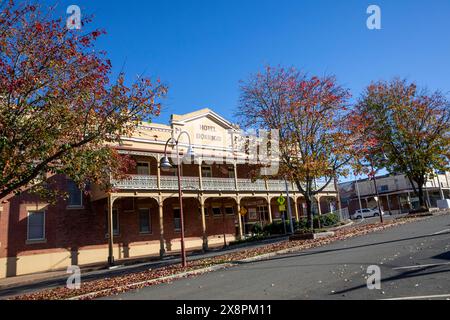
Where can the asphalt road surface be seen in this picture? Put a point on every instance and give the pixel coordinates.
(414, 260)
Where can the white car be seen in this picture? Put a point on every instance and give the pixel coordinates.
(367, 213)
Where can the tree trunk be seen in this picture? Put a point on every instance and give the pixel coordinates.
(309, 212)
(420, 194)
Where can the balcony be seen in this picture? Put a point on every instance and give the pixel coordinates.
(142, 182)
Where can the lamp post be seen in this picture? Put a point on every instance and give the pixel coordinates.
(289, 206)
(165, 164)
(377, 198)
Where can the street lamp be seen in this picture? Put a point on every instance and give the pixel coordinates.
(165, 164)
(377, 198)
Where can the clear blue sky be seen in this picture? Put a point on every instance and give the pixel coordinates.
(202, 48)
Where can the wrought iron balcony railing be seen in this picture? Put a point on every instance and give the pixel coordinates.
(143, 182)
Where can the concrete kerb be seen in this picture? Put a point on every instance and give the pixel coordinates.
(159, 280)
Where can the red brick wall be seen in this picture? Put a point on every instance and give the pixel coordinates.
(75, 229)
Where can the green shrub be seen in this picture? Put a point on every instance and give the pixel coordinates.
(326, 221)
(277, 228)
(329, 220)
(257, 229)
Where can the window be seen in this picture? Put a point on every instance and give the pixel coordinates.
(143, 168)
(177, 219)
(36, 226)
(75, 195)
(252, 214)
(115, 223)
(263, 212)
(216, 211)
(229, 211)
(206, 171)
(231, 172)
(145, 221)
(384, 188)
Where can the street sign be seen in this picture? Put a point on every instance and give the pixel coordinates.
(282, 208)
(243, 211)
(281, 201)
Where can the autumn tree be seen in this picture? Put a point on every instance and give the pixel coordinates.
(59, 111)
(310, 114)
(404, 129)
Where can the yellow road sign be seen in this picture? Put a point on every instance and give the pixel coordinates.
(243, 211)
(281, 201)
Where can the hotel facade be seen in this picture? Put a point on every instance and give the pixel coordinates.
(143, 210)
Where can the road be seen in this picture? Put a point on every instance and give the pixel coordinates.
(414, 260)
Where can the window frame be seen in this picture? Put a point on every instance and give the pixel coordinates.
(148, 167)
(216, 215)
(149, 216)
(179, 219)
(231, 170)
(204, 166)
(232, 210)
(251, 211)
(30, 212)
(74, 206)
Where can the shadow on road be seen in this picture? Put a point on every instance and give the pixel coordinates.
(303, 254)
(404, 275)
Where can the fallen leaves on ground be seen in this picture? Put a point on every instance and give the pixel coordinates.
(132, 281)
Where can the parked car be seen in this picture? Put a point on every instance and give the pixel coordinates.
(367, 213)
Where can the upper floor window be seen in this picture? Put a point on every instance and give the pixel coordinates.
(143, 168)
(75, 194)
(206, 171)
(36, 226)
(231, 174)
(384, 188)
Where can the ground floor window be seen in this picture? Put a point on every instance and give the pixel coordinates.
(145, 221)
(229, 210)
(252, 214)
(216, 211)
(263, 212)
(177, 219)
(36, 226)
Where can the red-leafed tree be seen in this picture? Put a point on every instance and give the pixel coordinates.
(310, 114)
(59, 112)
(404, 129)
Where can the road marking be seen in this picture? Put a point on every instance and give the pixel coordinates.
(421, 297)
(441, 232)
(422, 266)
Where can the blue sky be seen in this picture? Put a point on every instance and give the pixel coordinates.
(202, 48)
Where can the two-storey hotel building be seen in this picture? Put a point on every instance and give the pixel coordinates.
(143, 210)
